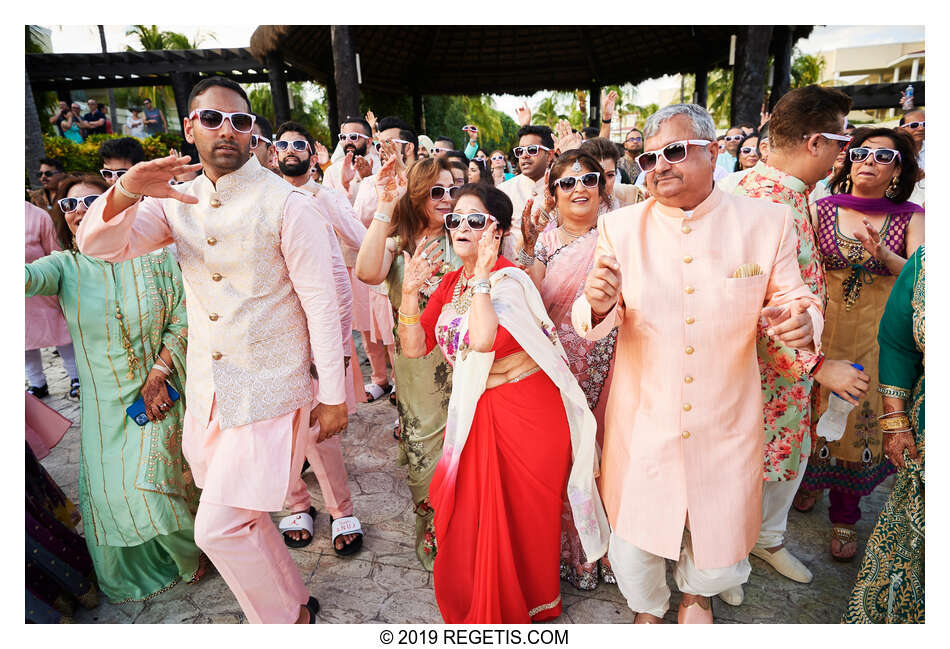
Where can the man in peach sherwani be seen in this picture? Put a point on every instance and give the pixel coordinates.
(256, 262)
(686, 275)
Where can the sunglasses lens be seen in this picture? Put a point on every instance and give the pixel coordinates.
(453, 220)
(453, 191)
(280, 145)
(675, 152)
(242, 122)
(589, 180)
(567, 184)
(436, 193)
(647, 161)
(210, 118)
(884, 156)
(477, 221)
(68, 204)
(89, 200)
(300, 145)
(254, 142)
(859, 154)
(532, 149)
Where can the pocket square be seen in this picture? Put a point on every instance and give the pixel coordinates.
(747, 270)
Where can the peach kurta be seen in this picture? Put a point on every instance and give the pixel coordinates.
(684, 414)
(380, 323)
(45, 325)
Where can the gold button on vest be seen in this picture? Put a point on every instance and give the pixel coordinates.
(687, 259)
(211, 241)
(690, 320)
(216, 277)
(687, 229)
(689, 350)
(215, 202)
(685, 434)
(687, 407)
(689, 290)
(216, 356)
(212, 316)
(688, 379)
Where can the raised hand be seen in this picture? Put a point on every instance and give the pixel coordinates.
(871, 240)
(472, 131)
(523, 114)
(791, 324)
(348, 172)
(565, 139)
(603, 285)
(549, 201)
(764, 117)
(323, 156)
(420, 267)
(151, 178)
(530, 227)
(487, 250)
(391, 181)
(371, 120)
(363, 167)
(607, 104)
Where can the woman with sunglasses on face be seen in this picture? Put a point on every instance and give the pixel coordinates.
(410, 216)
(747, 155)
(129, 329)
(499, 167)
(516, 418)
(478, 171)
(866, 230)
(562, 258)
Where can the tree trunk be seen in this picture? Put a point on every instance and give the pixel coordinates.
(112, 117)
(701, 92)
(748, 85)
(278, 88)
(181, 88)
(595, 106)
(344, 72)
(782, 43)
(34, 137)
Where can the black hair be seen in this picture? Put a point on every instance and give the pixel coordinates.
(266, 129)
(53, 162)
(123, 148)
(906, 113)
(410, 136)
(634, 129)
(908, 162)
(495, 201)
(738, 166)
(296, 127)
(590, 131)
(217, 80)
(367, 129)
(391, 121)
(457, 155)
(445, 138)
(600, 148)
(484, 172)
(543, 132)
(564, 164)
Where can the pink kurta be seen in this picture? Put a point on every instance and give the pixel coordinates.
(45, 325)
(684, 413)
(251, 470)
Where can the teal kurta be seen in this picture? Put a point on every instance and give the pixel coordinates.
(135, 490)
(890, 583)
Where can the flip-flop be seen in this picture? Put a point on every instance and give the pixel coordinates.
(343, 526)
(314, 607)
(300, 522)
(374, 392)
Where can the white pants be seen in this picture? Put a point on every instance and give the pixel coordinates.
(641, 576)
(777, 500)
(34, 364)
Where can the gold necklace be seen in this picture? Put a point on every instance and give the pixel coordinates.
(132, 360)
(462, 296)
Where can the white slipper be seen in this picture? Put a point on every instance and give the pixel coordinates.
(373, 391)
(785, 563)
(299, 522)
(733, 596)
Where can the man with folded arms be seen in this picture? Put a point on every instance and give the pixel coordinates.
(685, 276)
(255, 255)
(806, 127)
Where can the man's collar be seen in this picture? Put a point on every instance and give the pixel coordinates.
(229, 180)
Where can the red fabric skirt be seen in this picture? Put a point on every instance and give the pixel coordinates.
(498, 523)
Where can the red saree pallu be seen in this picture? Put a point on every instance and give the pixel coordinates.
(498, 516)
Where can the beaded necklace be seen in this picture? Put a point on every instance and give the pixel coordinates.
(462, 296)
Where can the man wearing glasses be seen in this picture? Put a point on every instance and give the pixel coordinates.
(912, 123)
(262, 143)
(359, 161)
(256, 258)
(118, 156)
(534, 152)
(632, 147)
(51, 172)
(685, 276)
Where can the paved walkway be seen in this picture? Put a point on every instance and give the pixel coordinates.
(384, 583)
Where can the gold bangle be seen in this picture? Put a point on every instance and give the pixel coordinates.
(409, 320)
(894, 423)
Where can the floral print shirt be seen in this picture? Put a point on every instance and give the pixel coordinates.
(786, 372)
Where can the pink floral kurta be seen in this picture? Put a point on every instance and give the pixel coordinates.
(786, 373)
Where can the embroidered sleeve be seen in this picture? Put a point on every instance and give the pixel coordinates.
(894, 391)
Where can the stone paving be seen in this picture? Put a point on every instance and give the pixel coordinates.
(384, 583)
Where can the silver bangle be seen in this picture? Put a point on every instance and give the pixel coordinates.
(125, 192)
(524, 258)
(379, 216)
(481, 286)
(161, 368)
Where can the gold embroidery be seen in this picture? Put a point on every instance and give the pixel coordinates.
(544, 607)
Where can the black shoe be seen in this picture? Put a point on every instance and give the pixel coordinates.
(306, 465)
(314, 607)
(38, 392)
(74, 389)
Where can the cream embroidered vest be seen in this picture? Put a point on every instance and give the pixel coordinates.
(248, 342)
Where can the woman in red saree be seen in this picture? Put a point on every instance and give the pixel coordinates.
(519, 430)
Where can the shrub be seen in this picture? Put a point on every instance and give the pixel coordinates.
(84, 156)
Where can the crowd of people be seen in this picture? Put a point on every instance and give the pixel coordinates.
(75, 126)
(605, 358)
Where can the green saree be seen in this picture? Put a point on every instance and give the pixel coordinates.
(890, 583)
(422, 399)
(136, 494)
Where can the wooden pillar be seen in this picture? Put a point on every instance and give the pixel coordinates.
(748, 82)
(418, 112)
(115, 126)
(344, 72)
(182, 82)
(701, 92)
(782, 43)
(278, 88)
(333, 114)
(34, 136)
(595, 105)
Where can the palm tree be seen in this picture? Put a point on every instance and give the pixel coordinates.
(151, 38)
(806, 69)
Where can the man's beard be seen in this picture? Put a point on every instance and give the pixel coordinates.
(293, 169)
(359, 149)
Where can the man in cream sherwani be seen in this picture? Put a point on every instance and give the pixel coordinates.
(686, 275)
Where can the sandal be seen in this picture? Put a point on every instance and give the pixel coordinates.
(374, 392)
(300, 522)
(805, 500)
(606, 572)
(397, 431)
(342, 526)
(844, 543)
(314, 607)
(39, 391)
(74, 389)
(392, 394)
(203, 563)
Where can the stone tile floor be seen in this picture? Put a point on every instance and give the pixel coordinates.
(384, 583)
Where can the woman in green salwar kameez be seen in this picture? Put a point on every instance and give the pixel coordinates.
(416, 202)
(128, 325)
(890, 584)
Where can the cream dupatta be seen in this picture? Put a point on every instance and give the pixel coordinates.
(521, 311)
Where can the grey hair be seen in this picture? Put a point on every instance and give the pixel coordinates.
(703, 125)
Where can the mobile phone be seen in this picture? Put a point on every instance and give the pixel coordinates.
(137, 410)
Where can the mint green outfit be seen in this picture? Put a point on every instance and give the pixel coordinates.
(136, 493)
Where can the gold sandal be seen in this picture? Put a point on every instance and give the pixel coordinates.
(847, 543)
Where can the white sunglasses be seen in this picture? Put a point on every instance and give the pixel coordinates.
(212, 119)
(298, 145)
(256, 139)
(352, 137)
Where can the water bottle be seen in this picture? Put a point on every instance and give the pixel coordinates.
(834, 421)
(908, 103)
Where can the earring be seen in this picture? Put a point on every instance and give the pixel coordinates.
(892, 188)
(847, 185)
